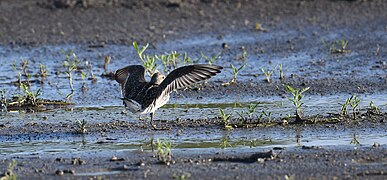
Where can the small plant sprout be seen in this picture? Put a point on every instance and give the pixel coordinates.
(252, 109)
(140, 51)
(164, 60)
(173, 59)
(337, 46)
(225, 119)
(187, 59)
(211, 59)
(149, 62)
(267, 74)
(245, 115)
(235, 72)
(344, 106)
(354, 102)
(373, 109)
(9, 174)
(169, 61)
(296, 100)
(82, 126)
(69, 74)
(243, 118)
(29, 97)
(83, 76)
(267, 115)
(225, 142)
(3, 105)
(355, 140)
(18, 72)
(24, 65)
(164, 151)
(71, 64)
(93, 78)
(281, 72)
(42, 72)
(107, 62)
(244, 54)
(182, 177)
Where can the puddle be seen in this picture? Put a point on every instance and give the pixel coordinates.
(279, 107)
(73, 144)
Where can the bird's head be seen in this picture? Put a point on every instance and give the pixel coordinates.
(157, 78)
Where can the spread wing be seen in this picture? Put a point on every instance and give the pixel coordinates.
(186, 76)
(136, 72)
(122, 74)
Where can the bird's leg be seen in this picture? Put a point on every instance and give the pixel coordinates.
(151, 122)
(153, 125)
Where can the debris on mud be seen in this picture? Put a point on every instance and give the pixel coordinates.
(257, 157)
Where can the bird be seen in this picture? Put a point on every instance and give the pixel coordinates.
(143, 97)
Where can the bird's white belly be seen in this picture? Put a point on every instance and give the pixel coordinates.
(136, 107)
(157, 104)
(161, 101)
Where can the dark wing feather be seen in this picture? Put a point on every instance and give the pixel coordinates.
(122, 74)
(136, 73)
(186, 76)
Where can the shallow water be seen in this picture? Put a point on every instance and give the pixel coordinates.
(102, 98)
(216, 140)
(53, 143)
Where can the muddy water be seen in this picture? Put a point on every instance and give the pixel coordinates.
(70, 143)
(75, 144)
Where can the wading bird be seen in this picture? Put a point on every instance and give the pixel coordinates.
(142, 97)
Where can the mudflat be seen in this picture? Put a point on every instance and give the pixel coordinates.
(336, 48)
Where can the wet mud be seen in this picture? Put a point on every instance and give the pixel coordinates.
(86, 133)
